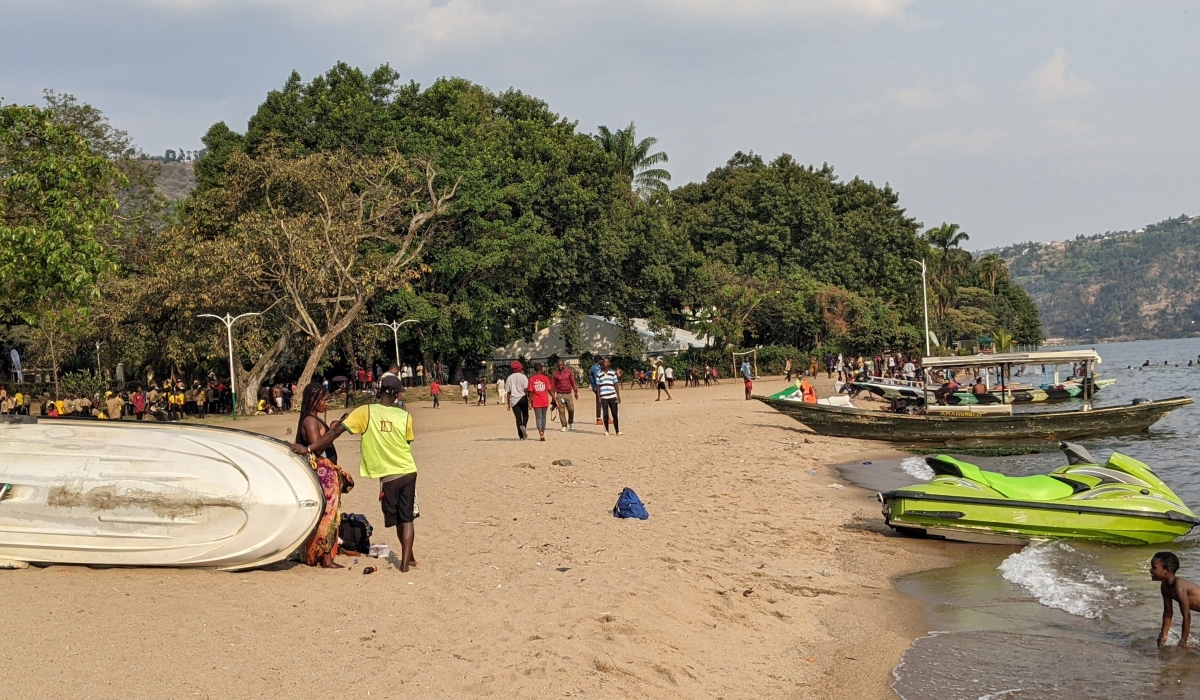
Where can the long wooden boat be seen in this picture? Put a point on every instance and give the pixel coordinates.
(972, 426)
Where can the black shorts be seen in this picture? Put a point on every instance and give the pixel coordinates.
(662, 385)
(397, 498)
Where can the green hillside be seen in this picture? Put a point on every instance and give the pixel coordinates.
(1126, 285)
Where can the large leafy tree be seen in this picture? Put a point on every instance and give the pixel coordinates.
(542, 223)
(800, 231)
(328, 232)
(636, 161)
(58, 202)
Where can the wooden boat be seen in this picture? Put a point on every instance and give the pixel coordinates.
(970, 425)
(120, 493)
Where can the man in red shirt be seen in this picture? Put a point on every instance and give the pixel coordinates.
(539, 398)
(139, 403)
(565, 392)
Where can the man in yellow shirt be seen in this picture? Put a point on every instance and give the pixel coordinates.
(386, 431)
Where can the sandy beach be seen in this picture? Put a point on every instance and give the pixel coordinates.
(758, 574)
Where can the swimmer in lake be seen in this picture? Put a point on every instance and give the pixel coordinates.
(1175, 589)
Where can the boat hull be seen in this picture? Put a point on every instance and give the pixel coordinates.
(1017, 522)
(129, 494)
(965, 428)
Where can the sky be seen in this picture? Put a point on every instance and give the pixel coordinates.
(1017, 120)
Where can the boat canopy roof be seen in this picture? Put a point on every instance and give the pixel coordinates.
(1053, 357)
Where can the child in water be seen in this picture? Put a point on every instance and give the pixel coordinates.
(1174, 589)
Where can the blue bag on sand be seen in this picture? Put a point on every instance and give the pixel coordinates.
(629, 506)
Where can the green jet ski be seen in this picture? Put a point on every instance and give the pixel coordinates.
(1121, 502)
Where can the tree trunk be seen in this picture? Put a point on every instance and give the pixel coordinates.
(321, 344)
(248, 383)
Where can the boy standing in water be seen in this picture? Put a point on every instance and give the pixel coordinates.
(1174, 589)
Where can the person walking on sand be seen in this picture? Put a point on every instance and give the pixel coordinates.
(594, 382)
(565, 393)
(387, 432)
(435, 390)
(609, 390)
(539, 390)
(515, 387)
(748, 380)
(465, 386)
(500, 392)
(660, 381)
(787, 369)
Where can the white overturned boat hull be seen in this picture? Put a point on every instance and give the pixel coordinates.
(135, 494)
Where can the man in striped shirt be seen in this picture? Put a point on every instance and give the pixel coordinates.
(609, 391)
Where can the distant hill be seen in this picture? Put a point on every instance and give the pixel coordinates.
(175, 180)
(1126, 285)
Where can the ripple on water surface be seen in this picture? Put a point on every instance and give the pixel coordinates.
(990, 665)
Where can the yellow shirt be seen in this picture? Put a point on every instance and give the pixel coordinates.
(386, 432)
(20, 399)
(59, 405)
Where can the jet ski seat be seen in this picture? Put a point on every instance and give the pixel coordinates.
(1025, 488)
(1029, 488)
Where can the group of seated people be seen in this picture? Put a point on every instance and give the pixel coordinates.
(951, 387)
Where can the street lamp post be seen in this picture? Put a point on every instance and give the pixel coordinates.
(925, 302)
(229, 321)
(395, 333)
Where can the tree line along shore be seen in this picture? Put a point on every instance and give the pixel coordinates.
(355, 198)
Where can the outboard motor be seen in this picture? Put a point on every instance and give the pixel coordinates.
(1076, 454)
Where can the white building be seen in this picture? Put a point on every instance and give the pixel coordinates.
(597, 335)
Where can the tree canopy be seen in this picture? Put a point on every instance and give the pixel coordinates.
(58, 202)
(354, 198)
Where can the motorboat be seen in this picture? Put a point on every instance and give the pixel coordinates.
(918, 414)
(1121, 501)
(123, 493)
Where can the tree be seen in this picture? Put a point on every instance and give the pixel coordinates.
(946, 236)
(57, 201)
(799, 230)
(991, 269)
(636, 161)
(327, 232)
(1002, 340)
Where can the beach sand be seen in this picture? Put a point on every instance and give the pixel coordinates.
(753, 577)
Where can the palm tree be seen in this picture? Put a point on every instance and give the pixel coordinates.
(637, 162)
(950, 263)
(1002, 340)
(992, 270)
(946, 236)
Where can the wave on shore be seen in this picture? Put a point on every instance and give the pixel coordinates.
(1061, 577)
(916, 467)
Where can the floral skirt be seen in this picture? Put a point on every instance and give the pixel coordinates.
(324, 540)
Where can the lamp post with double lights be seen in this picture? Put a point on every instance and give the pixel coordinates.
(395, 326)
(229, 320)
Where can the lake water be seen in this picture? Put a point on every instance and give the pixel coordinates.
(1055, 619)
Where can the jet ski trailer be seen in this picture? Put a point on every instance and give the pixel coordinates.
(115, 493)
(1120, 502)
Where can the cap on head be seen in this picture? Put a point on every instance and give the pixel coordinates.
(516, 366)
(391, 385)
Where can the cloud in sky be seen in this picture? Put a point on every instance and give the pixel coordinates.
(961, 144)
(1051, 81)
(935, 97)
